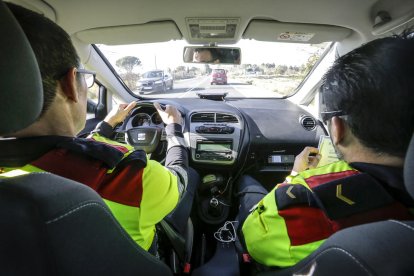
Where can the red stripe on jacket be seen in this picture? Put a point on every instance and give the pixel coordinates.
(123, 185)
(316, 180)
(307, 224)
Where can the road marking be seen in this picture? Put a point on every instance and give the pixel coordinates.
(194, 87)
(342, 197)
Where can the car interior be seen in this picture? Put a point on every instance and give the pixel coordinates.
(55, 226)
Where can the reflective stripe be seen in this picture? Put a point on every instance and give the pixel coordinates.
(12, 172)
(126, 149)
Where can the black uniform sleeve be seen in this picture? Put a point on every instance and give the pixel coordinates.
(177, 155)
(104, 129)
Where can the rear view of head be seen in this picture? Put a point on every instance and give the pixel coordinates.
(52, 47)
(373, 86)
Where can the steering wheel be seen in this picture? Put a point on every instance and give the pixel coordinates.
(144, 129)
(146, 138)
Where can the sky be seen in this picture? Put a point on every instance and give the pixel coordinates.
(169, 54)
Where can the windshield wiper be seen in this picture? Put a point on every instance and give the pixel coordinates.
(213, 96)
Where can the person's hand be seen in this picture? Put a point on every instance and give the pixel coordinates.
(307, 159)
(118, 115)
(170, 115)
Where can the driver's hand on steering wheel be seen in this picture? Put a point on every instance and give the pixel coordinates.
(118, 115)
(169, 115)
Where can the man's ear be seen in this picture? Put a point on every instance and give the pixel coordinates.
(338, 130)
(69, 85)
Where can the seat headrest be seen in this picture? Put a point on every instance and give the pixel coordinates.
(21, 92)
(409, 168)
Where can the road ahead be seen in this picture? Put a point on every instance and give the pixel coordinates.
(190, 88)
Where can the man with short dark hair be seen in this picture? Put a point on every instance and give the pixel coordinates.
(209, 55)
(367, 104)
(139, 192)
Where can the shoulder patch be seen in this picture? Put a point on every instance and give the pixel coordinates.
(351, 195)
(287, 195)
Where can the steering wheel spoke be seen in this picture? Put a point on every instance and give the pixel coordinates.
(163, 135)
(144, 137)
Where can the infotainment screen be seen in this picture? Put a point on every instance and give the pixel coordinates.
(217, 147)
(279, 159)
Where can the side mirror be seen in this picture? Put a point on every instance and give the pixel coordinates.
(211, 55)
(91, 107)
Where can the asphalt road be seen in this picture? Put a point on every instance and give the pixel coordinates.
(190, 87)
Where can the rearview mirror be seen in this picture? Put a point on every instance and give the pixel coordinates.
(211, 55)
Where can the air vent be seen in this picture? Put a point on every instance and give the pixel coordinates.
(226, 118)
(308, 122)
(203, 117)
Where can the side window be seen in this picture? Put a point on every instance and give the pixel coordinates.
(93, 93)
(93, 99)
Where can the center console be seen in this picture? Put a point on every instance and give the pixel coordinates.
(214, 143)
(214, 137)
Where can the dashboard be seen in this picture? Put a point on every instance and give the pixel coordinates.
(227, 139)
(235, 133)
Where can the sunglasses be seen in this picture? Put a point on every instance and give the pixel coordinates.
(327, 115)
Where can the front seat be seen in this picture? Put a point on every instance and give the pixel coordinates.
(380, 248)
(54, 226)
(50, 225)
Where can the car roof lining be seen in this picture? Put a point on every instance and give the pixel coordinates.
(147, 21)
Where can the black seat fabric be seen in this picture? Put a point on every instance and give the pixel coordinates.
(54, 226)
(19, 75)
(409, 168)
(380, 248)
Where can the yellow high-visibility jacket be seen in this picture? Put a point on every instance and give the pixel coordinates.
(294, 219)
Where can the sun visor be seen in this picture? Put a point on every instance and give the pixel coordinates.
(143, 33)
(267, 30)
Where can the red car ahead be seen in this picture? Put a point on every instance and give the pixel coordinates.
(218, 76)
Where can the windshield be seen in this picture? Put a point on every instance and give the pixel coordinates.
(267, 69)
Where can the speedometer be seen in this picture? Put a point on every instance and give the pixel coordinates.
(141, 119)
(156, 119)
